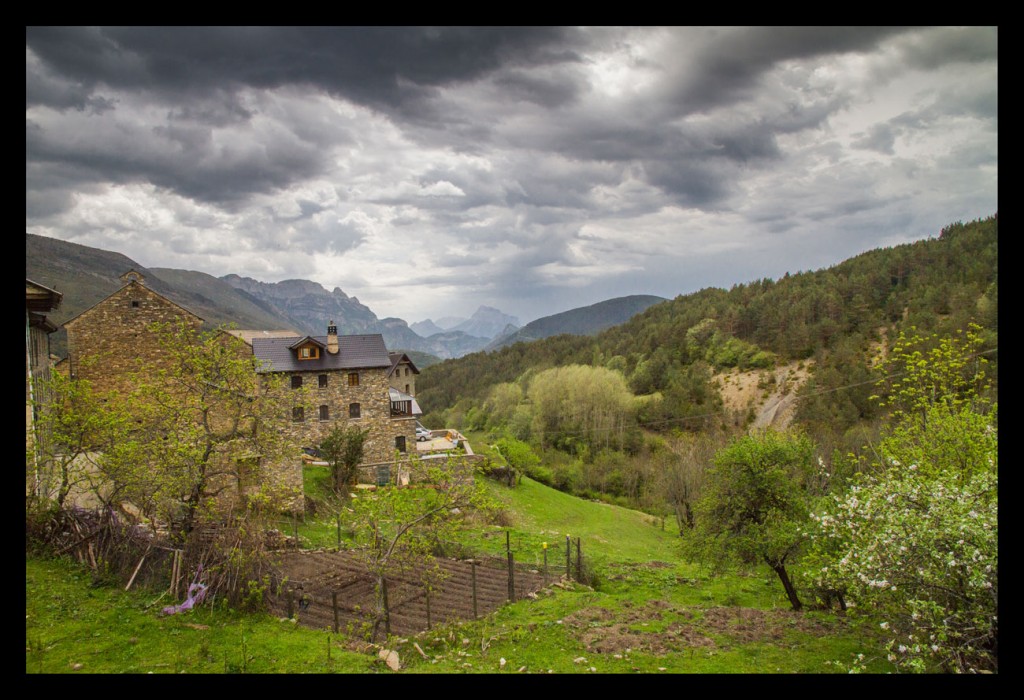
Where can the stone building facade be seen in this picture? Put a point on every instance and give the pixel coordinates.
(338, 381)
(402, 375)
(112, 339)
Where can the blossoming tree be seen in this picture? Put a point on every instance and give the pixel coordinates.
(915, 539)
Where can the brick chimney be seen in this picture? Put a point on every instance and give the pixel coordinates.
(332, 338)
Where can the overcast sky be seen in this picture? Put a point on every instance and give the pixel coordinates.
(428, 171)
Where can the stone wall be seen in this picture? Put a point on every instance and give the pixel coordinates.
(112, 339)
(404, 377)
(374, 411)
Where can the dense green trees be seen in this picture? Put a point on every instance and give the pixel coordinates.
(833, 316)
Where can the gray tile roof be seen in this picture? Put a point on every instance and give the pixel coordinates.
(354, 352)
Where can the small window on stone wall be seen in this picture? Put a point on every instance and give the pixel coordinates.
(325, 413)
(323, 381)
(296, 382)
(135, 303)
(353, 410)
(400, 443)
(298, 414)
(353, 378)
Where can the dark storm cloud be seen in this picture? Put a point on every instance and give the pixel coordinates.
(945, 45)
(730, 61)
(546, 92)
(179, 158)
(377, 66)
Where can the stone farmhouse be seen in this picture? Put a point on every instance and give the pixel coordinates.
(344, 381)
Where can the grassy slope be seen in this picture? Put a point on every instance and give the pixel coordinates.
(648, 612)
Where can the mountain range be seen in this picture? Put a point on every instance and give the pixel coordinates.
(588, 320)
(87, 275)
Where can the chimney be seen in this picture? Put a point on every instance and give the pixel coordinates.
(332, 338)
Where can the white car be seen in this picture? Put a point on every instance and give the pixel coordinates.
(422, 434)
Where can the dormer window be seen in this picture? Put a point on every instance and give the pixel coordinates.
(310, 352)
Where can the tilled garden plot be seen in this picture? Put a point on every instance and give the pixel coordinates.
(311, 577)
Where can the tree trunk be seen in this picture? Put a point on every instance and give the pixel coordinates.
(780, 569)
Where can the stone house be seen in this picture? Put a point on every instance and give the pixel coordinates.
(338, 380)
(107, 341)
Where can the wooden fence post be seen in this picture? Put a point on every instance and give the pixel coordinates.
(291, 604)
(387, 610)
(511, 567)
(511, 578)
(428, 608)
(579, 561)
(545, 563)
(473, 570)
(334, 605)
(568, 557)
(339, 532)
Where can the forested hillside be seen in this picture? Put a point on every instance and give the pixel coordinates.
(835, 320)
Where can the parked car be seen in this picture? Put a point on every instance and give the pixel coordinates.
(422, 434)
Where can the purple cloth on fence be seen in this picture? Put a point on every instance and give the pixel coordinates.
(196, 593)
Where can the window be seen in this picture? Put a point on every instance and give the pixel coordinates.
(296, 381)
(298, 414)
(400, 443)
(353, 410)
(353, 378)
(135, 303)
(323, 381)
(309, 353)
(325, 413)
(407, 389)
(407, 371)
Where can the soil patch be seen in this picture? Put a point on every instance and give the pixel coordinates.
(315, 586)
(660, 628)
